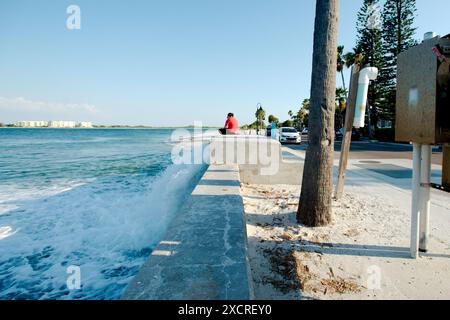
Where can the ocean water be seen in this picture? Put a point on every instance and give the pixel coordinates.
(96, 199)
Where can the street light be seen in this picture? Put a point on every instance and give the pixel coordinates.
(258, 109)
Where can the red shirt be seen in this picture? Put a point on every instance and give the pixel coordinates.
(232, 125)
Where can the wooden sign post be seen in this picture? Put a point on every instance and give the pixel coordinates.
(446, 167)
(347, 138)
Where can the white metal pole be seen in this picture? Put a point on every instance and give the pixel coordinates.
(415, 209)
(425, 199)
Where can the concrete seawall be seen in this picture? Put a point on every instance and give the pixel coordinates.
(203, 255)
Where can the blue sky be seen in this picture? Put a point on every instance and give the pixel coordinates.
(165, 62)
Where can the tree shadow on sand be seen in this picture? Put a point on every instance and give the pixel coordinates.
(288, 220)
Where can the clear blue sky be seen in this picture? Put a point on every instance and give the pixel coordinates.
(165, 62)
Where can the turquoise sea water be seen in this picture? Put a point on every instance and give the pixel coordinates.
(93, 198)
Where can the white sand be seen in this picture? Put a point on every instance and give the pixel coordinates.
(363, 255)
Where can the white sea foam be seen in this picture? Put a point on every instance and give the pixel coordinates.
(6, 232)
(107, 227)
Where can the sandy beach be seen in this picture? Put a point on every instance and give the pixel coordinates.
(363, 254)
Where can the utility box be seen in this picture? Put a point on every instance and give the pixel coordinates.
(423, 93)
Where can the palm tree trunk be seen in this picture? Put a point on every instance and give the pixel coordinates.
(317, 185)
(343, 82)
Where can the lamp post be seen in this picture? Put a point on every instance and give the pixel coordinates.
(258, 115)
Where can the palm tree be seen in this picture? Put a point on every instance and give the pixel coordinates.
(317, 185)
(346, 60)
(341, 63)
(272, 118)
(291, 114)
(352, 58)
(341, 96)
(260, 117)
(341, 106)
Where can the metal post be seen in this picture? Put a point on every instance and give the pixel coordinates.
(425, 200)
(369, 122)
(415, 209)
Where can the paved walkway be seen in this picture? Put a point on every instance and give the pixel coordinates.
(203, 256)
(370, 150)
(392, 178)
(385, 245)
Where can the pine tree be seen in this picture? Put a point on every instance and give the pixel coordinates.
(398, 35)
(370, 45)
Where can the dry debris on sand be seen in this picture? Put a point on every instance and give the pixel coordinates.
(290, 261)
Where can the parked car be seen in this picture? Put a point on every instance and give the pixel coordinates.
(305, 131)
(290, 135)
(356, 136)
(339, 135)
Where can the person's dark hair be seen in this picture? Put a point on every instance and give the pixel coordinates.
(231, 114)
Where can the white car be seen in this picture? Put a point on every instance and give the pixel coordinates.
(290, 135)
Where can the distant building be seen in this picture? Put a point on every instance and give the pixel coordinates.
(32, 124)
(53, 124)
(61, 124)
(84, 125)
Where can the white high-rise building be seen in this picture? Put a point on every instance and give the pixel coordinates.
(53, 124)
(32, 124)
(61, 124)
(84, 125)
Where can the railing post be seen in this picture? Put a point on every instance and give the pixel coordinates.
(415, 209)
(425, 193)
